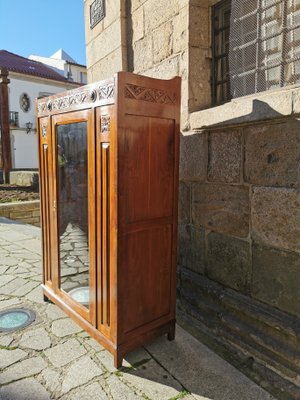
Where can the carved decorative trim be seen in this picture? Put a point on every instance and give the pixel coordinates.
(148, 94)
(105, 123)
(44, 130)
(77, 98)
(56, 103)
(106, 91)
(42, 107)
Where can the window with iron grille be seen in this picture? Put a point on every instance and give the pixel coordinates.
(264, 47)
(220, 49)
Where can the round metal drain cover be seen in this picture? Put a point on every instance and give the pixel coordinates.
(15, 318)
(81, 294)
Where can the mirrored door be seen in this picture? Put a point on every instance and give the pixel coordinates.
(75, 213)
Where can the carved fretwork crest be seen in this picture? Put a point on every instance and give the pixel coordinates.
(78, 98)
(148, 94)
(69, 101)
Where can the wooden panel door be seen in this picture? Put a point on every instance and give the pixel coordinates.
(74, 211)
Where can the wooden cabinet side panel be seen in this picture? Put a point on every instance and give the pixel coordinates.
(146, 276)
(148, 162)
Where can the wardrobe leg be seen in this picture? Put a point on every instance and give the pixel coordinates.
(171, 333)
(118, 359)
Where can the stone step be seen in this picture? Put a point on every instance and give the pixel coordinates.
(261, 339)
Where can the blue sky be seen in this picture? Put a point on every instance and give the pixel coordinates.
(41, 27)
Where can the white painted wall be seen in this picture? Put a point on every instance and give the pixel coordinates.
(24, 149)
(33, 89)
(23, 145)
(56, 64)
(76, 70)
(61, 66)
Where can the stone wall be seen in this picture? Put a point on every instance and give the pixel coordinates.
(156, 38)
(106, 44)
(239, 241)
(240, 209)
(174, 39)
(159, 42)
(23, 211)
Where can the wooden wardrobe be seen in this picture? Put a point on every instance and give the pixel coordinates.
(108, 156)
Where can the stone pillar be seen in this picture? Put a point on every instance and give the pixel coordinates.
(4, 124)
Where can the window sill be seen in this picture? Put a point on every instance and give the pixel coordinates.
(277, 103)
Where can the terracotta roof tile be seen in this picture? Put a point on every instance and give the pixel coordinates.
(23, 65)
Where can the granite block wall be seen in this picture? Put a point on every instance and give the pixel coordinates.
(239, 243)
(240, 209)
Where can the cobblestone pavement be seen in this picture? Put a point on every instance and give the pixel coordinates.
(55, 359)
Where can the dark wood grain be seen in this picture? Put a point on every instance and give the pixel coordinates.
(133, 152)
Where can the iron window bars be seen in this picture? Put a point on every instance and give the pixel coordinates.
(262, 47)
(220, 61)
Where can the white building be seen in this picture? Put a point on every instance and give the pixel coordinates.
(65, 65)
(29, 80)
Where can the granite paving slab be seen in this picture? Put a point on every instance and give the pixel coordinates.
(26, 389)
(54, 359)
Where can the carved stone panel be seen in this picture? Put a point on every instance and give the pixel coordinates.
(97, 12)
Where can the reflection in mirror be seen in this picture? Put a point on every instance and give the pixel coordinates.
(72, 196)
